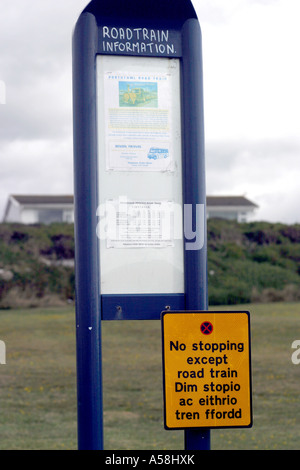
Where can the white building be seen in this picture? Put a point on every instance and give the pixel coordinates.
(229, 207)
(47, 209)
(39, 209)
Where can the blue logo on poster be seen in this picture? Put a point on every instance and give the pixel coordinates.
(156, 153)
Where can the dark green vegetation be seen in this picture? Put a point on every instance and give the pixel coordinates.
(38, 383)
(253, 262)
(36, 265)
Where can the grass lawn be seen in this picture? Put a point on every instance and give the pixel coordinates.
(38, 383)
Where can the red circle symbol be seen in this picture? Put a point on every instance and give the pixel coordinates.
(206, 328)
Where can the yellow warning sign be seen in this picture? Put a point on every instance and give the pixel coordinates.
(207, 369)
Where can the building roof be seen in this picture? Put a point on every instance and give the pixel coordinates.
(229, 201)
(217, 201)
(212, 201)
(43, 199)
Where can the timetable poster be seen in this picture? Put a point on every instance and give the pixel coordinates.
(138, 121)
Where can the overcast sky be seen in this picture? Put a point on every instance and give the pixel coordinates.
(251, 98)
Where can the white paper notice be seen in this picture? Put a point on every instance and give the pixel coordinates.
(139, 224)
(138, 110)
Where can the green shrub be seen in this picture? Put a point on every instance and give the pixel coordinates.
(233, 293)
(31, 253)
(256, 260)
(248, 261)
(233, 251)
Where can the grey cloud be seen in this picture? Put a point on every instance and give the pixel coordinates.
(267, 171)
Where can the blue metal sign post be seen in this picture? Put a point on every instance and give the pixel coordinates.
(150, 30)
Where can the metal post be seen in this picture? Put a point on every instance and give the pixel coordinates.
(194, 187)
(88, 308)
(197, 439)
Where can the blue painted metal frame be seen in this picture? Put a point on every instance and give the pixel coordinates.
(179, 17)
